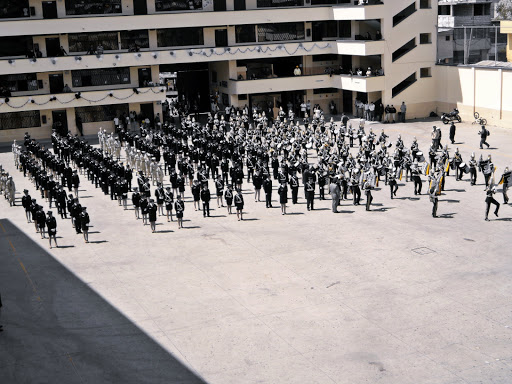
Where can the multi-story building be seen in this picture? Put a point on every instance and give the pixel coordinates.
(93, 60)
(465, 32)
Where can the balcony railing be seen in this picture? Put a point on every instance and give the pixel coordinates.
(81, 99)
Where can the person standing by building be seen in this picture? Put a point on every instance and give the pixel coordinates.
(367, 187)
(452, 132)
(403, 110)
(310, 193)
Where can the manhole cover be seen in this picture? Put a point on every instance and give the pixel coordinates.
(423, 250)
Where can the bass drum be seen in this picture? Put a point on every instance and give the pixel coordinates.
(464, 167)
(420, 157)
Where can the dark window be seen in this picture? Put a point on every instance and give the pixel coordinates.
(20, 83)
(482, 9)
(425, 72)
(245, 33)
(178, 37)
(82, 42)
(404, 14)
(321, 2)
(329, 57)
(14, 120)
(425, 38)
(12, 9)
(281, 32)
(15, 45)
(214, 76)
(99, 77)
(242, 97)
(443, 10)
(324, 29)
(345, 28)
(447, 38)
(177, 5)
(407, 47)
(279, 3)
(324, 90)
(424, 4)
(93, 7)
(404, 84)
(101, 112)
(130, 39)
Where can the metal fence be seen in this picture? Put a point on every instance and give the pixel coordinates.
(470, 45)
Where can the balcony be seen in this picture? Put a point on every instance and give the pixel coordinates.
(297, 83)
(81, 99)
(164, 20)
(168, 56)
(358, 12)
(361, 48)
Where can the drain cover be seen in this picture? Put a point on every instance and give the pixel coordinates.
(423, 250)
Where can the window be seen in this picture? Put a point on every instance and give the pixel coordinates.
(132, 39)
(425, 38)
(101, 112)
(83, 42)
(178, 37)
(482, 9)
(447, 38)
(20, 83)
(14, 120)
(214, 76)
(407, 47)
(279, 3)
(15, 45)
(444, 10)
(245, 33)
(12, 9)
(329, 57)
(426, 72)
(242, 97)
(404, 84)
(99, 77)
(424, 4)
(93, 7)
(281, 32)
(404, 14)
(177, 5)
(324, 90)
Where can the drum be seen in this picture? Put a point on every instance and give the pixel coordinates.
(464, 167)
(336, 131)
(354, 135)
(420, 157)
(309, 145)
(390, 145)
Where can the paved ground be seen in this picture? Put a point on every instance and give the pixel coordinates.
(387, 296)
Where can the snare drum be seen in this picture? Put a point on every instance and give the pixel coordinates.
(420, 156)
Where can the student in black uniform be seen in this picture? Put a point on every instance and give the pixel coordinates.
(136, 202)
(196, 193)
(239, 204)
(84, 222)
(257, 181)
(310, 193)
(26, 202)
(144, 202)
(294, 185)
(160, 194)
(169, 200)
(205, 198)
(228, 195)
(267, 187)
(41, 221)
(51, 224)
(152, 213)
(179, 206)
(283, 197)
(219, 190)
(368, 192)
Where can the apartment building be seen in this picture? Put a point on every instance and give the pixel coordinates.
(68, 60)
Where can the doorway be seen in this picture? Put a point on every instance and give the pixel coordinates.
(347, 102)
(221, 37)
(52, 46)
(147, 111)
(50, 10)
(144, 77)
(56, 83)
(219, 5)
(60, 122)
(140, 7)
(240, 5)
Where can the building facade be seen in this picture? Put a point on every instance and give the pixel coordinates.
(89, 61)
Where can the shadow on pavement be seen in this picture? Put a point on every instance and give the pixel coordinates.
(58, 330)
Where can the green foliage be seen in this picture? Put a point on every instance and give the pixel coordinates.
(504, 10)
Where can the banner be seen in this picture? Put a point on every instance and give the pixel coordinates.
(425, 167)
(506, 179)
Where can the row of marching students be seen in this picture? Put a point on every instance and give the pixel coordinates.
(44, 176)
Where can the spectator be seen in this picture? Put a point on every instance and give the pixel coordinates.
(62, 51)
(297, 71)
(66, 89)
(403, 109)
(369, 72)
(378, 36)
(99, 50)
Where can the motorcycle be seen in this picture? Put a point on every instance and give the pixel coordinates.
(452, 116)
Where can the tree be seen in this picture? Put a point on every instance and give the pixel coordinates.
(504, 10)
